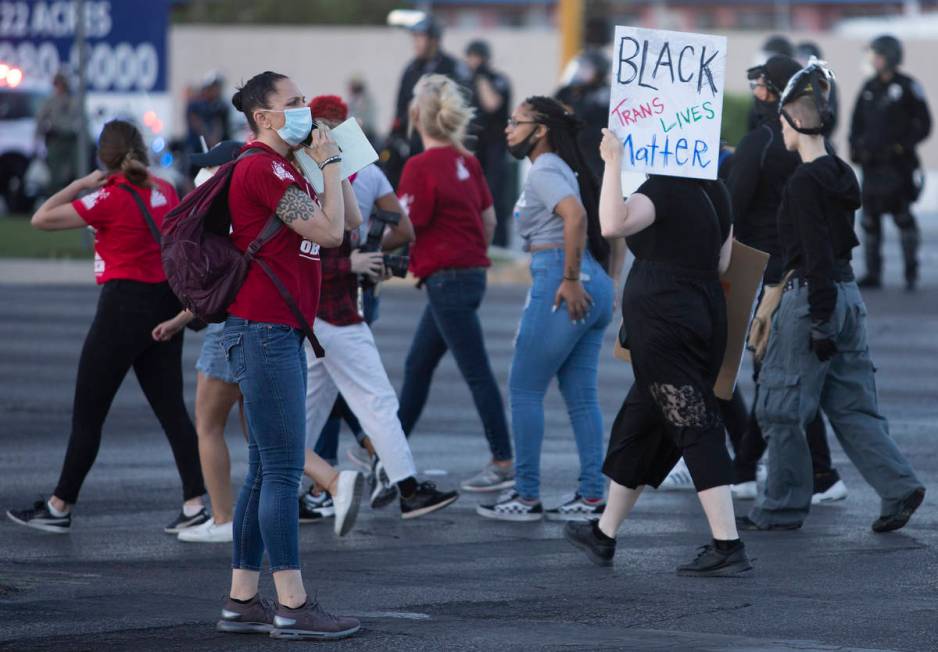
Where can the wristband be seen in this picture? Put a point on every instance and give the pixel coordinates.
(332, 159)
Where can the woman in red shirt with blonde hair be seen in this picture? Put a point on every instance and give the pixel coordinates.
(125, 206)
(443, 190)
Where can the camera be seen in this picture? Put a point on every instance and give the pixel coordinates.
(395, 264)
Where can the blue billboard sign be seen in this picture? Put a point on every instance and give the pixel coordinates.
(126, 41)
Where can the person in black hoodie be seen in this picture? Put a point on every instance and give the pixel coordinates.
(817, 353)
(762, 167)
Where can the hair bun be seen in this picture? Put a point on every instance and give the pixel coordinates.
(236, 100)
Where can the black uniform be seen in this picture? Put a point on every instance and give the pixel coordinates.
(400, 147)
(761, 168)
(675, 319)
(889, 120)
(490, 147)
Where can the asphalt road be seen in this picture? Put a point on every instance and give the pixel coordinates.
(453, 581)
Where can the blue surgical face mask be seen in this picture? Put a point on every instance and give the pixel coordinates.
(298, 123)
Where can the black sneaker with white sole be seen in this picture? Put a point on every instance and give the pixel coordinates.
(316, 508)
(183, 522)
(40, 518)
(512, 507)
(383, 493)
(425, 500)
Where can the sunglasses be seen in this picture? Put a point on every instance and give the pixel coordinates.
(514, 123)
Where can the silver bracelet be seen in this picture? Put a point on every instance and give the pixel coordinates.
(332, 159)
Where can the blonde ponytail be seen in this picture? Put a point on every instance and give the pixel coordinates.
(441, 109)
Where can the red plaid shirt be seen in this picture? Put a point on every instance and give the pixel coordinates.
(338, 299)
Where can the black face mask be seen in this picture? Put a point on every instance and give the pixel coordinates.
(522, 149)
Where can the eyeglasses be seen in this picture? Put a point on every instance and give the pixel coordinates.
(514, 123)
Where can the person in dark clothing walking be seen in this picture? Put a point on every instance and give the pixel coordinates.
(762, 167)
(491, 99)
(429, 59)
(890, 119)
(817, 354)
(125, 207)
(674, 315)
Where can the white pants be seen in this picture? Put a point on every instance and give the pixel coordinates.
(353, 367)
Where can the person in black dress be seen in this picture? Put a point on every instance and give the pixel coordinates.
(675, 324)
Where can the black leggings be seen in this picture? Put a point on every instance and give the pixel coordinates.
(120, 338)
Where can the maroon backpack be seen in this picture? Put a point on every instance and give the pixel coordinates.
(203, 266)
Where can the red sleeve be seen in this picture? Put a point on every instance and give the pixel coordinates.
(267, 179)
(98, 208)
(417, 193)
(482, 184)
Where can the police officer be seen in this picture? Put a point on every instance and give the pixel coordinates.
(587, 93)
(889, 120)
(491, 99)
(429, 59)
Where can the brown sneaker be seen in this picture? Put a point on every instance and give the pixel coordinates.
(254, 617)
(311, 621)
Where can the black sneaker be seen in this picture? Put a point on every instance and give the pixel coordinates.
(40, 518)
(253, 617)
(383, 492)
(746, 524)
(583, 536)
(426, 499)
(183, 522)
(311, 621)
(900, 517)
(870, 282)
(712, 562)
(316, 508)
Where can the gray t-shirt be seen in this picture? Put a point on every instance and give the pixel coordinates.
(549, 180)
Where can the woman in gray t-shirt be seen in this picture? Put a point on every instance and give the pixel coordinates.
(568, 308)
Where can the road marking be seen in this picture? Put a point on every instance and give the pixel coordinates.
(402, 615)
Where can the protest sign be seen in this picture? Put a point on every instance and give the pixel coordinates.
(667, 100)
(741, 283)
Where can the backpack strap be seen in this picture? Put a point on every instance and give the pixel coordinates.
(154, 230)
(273, 226)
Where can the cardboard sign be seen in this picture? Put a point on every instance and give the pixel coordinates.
(741, 284)
(356, 150)
(667, 100)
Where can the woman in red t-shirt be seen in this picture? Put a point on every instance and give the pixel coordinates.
(119, 206)
(449, 203)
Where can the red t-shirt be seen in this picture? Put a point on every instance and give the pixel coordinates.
(124, 247)
(444, 192)
(257, 185)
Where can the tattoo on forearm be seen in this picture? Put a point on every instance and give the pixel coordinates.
(295, 205)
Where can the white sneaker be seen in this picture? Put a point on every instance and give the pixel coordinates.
(837, 491)
(744, 490)
(678, 479)
(347, 496)
(208, 532)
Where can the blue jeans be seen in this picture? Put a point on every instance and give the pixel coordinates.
(549, 344)
(450, 322)
(269, 364)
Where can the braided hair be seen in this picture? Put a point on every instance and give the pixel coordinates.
(563, 128)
